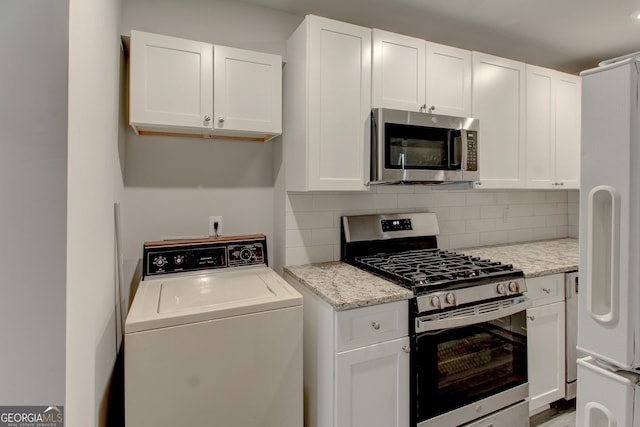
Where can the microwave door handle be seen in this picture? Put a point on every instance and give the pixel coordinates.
(520, 303)
(455, 155)
(403, 167)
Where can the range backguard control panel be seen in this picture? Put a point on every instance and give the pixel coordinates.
(396, 224)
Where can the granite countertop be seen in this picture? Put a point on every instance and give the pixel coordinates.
(345, 286)
(534, 258)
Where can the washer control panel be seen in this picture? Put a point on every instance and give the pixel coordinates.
(178, 256)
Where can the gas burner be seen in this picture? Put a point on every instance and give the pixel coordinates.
(428, 269)
(403, 249)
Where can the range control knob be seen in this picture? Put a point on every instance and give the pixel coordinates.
(179, 259)
(160, 261)
(450, 298)
(435, 301)
(502, 289)
(513, 287)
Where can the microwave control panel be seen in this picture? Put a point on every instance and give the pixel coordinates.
(472, 150)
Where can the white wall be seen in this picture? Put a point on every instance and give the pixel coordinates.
(173, 185)
(94, 184)
(466, 218)
(33, 181)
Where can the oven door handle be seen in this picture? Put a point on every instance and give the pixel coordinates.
(428, 323)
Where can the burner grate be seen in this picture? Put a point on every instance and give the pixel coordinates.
(431, 268)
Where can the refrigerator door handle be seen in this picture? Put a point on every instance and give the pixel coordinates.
(599, 415)
(603, 261)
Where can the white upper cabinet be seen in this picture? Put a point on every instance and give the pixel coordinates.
(553, 129)
(175, 90)
(399, 70)
(328, 106)
(568, 125)
(415, 75)
(247, 92)
(171, 83)
(498, 101)
(448, 80)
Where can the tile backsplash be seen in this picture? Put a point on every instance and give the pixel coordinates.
(467, 218)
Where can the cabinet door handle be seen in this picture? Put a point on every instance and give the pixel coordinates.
(546, 290)
(406, 349)
(432, 109)
(207, 118)
(375, 325)
(530, 317)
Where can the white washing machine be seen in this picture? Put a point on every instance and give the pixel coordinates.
(213, 338)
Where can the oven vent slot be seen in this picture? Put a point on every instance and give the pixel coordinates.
(473, 310)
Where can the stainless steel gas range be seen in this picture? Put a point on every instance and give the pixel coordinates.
(467, 321)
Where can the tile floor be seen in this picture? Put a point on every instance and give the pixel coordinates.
(555, 417)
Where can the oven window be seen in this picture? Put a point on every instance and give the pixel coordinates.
(456, 367)
(419, 147)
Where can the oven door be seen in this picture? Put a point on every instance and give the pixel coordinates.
(470, 362)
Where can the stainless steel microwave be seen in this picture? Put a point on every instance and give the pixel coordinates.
(414, 147)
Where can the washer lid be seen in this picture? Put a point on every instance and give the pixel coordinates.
(172, 301)
(208, 291)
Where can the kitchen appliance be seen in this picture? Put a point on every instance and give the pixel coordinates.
(571, 287)
(409, 146)
(467, 321)
(608, 314)
(213, 337)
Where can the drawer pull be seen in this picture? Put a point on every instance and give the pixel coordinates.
(546, 290)
(375, 325)
(406, 349)
(531, 317)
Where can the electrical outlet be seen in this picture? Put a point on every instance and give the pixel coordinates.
(215, 226)
(505, 214)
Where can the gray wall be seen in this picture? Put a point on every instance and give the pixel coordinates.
(33, 180)
(173, 185)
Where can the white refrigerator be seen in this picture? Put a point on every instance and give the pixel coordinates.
(609, 300)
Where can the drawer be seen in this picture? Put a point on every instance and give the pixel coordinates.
(545, 289)
(369, 325)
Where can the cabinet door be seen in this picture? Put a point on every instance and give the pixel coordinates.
(498, 91)
(372, 385)
(247, 91)
(339, 105)
(546, 354)
(398, 79)
(553, 129)
(171, 82)
(541, 125)
(448, 80)
(568, 122)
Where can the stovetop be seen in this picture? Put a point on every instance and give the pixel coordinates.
(402, 247)
(426, 270)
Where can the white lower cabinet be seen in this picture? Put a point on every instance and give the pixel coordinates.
(372, 385)
(356, 363)
(546, 340)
